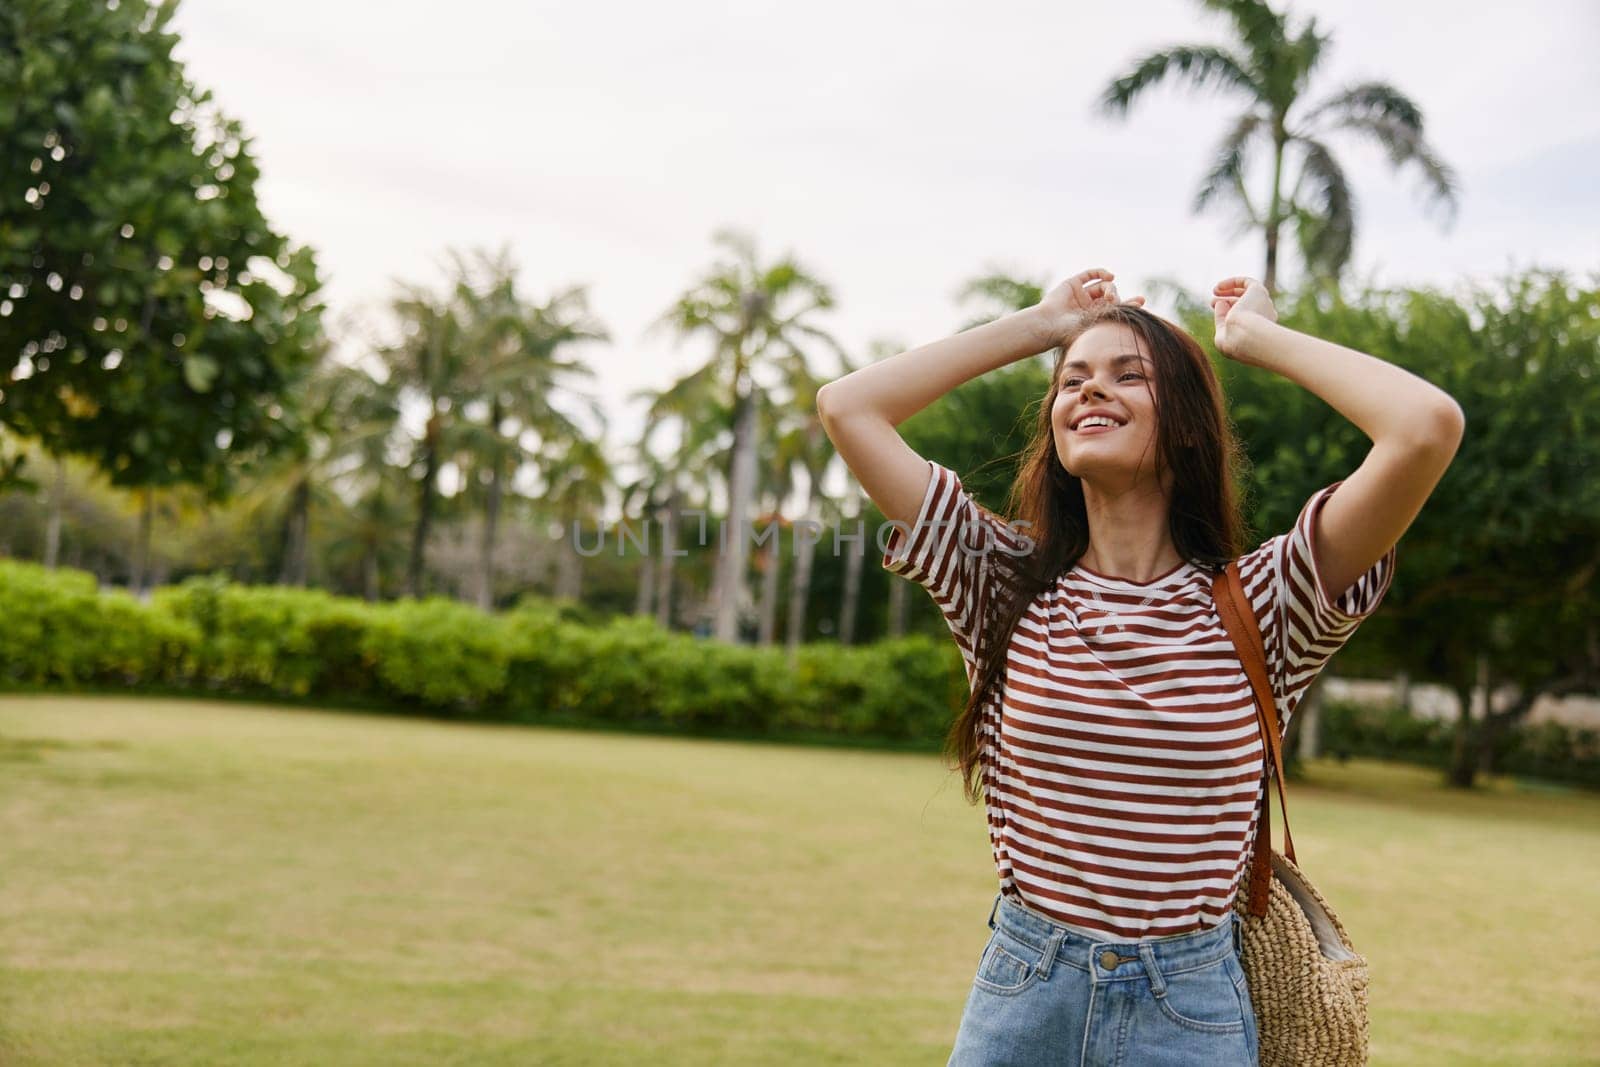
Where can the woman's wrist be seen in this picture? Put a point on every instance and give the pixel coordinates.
(1050, 327)
(1252, 335)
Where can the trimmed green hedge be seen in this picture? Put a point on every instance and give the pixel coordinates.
(535, 663)
(540, 664)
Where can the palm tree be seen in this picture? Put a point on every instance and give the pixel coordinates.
(645, 498)
(363, 536)
(813, 450)
(576, 479)
(781, 451)
(344, 418)
(998, 294)
(428, 364)
(689, 405)
(514, 369)
(1268, 67)
(755, 315)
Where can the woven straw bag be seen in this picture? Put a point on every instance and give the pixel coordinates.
(1307, 982)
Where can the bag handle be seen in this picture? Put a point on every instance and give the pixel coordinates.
(1239, 619)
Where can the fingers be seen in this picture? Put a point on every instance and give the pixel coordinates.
(1096, 272)
(1234, 285)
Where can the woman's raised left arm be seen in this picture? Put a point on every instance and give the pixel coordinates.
(1415, 428)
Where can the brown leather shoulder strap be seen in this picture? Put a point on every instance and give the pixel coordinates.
(1239, 619)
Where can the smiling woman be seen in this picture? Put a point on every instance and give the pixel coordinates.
(1110, 728)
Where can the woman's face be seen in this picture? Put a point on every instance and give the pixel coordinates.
(1109, 370)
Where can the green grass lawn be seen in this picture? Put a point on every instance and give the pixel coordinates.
(202, 883)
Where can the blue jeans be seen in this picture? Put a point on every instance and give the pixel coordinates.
(1052, 994)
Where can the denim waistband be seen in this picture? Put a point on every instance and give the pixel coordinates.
(1104, 956)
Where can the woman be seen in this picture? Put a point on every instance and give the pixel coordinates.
(1111, 728)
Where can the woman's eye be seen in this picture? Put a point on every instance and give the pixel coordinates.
(1072, 382)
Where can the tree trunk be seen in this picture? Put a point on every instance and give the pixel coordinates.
(1271, 272)
(669, 545)
(854, 557)
(647, 579)
(1310, 712)
(800, 588)
(569, 574)
(419, 535)
(1274, 220)
(569, 580)
(52, 530)
(741, 486)
(897, 605)
(770, 566)
(491, 516)
(1464, 752)
(296, 525)
(1496, 722)
(370, 585)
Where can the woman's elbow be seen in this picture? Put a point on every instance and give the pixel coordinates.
(1451, 421)
(1440, 431)
(831, 400)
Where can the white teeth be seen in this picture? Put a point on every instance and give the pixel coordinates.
(1096, 420)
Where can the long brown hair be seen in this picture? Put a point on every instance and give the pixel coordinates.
(1194, 441)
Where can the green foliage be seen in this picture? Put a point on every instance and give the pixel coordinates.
(541, 662)
(157, 316)
(289, 642)
(981, 427)
(61, 631)
(546, 662)
(437, 654)
(1548, 750)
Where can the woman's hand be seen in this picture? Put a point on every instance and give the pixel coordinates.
(1063, 306)
(1233, 301)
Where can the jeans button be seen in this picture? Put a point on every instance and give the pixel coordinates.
(1108, 960)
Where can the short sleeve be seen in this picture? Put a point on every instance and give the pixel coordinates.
(949, 550)
(1303, 623)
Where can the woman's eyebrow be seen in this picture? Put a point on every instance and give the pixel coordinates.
(1126, 357)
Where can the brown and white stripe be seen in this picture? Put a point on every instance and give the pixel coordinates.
(1121, 758)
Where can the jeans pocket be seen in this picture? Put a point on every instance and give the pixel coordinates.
(1002, 970)
(1204, 999)
(1242, 986)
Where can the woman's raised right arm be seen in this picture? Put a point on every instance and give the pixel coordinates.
(861, 410)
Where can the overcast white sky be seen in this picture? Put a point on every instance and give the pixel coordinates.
(896, 149)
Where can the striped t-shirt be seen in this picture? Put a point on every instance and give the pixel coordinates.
(1121, 759)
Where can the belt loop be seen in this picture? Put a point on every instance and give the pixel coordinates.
(994, 909)
(1051, 947)
(1238, 933)
(1158, 983)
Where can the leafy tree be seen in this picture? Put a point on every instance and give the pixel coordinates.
(516, 367)
(576, 479)
(982, 426)
(681, 474)
(343, 420)
(426, 364)
(150, 318)
(1497, 576)
(755, 314)
(1268, 67)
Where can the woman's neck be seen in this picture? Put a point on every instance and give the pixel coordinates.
(1128, 533)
